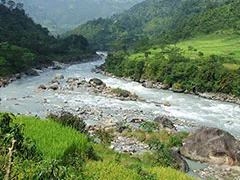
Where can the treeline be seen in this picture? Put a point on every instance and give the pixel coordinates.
(24, 43)
(173, 69)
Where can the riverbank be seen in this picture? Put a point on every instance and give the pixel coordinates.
(158, 85)
(36, 71)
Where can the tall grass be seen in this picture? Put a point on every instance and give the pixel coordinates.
(52, 139)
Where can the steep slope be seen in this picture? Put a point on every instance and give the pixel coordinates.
(62, 15)
(24, 44)
(214, 19)
(145, 19)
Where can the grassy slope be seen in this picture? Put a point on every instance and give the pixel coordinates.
(53, 139)
(225, 44)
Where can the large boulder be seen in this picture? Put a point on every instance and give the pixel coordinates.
(96, 82)
(212, 145)
(165, 122)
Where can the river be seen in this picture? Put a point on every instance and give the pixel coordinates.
(21, 97)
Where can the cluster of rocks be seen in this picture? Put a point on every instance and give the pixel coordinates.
(128, 145)
(218, 172)
(55, 84)
(5, 81)
(97, 86)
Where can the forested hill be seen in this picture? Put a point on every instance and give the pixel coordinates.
(224, 17)
(62, 15)
(145, 19)
(24, 44)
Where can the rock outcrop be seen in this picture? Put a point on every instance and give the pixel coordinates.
(212, 145)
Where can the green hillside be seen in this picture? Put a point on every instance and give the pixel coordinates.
(148, 19)
(24, 44)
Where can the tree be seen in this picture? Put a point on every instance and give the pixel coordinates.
(19, 6)
(11, 4)
(3, 2)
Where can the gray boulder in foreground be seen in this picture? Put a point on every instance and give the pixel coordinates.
(212, 145)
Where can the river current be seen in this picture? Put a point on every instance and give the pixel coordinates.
(21, 97)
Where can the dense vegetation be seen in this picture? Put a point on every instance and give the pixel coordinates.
(24, 44)
(171, 67)
(47, 150)
(71, 13)
(151, 18)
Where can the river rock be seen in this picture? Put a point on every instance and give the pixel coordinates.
(57, 65)
(33, 72)
(18, 76)
(148, 84)
(42, 87)
(59, 76)
(212, 145)
(96, 82)
(164, 122)
(124, 93)
(54, 86)
(55, 81)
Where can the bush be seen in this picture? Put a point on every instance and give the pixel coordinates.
(67, 119)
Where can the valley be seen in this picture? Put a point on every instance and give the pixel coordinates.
(131, 89)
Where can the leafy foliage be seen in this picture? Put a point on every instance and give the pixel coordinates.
(170, 66)
(67, 119)
(24, 44)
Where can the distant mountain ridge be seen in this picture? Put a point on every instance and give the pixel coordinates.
(62, 15)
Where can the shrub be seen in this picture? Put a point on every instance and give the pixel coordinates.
(67, 119)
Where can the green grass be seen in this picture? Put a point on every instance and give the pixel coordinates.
(52, 139)
(231, 66)
(226, 44)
